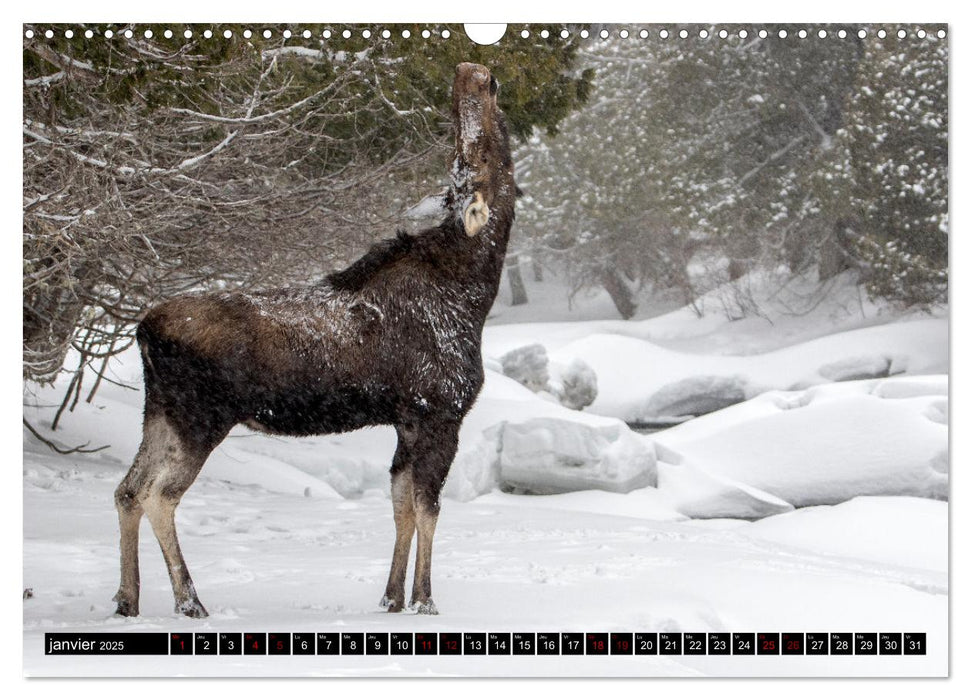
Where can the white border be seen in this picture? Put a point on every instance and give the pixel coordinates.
(507, 11)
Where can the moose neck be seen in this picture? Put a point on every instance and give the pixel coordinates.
(481, 272)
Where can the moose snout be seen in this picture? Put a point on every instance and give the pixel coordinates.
(472, 76)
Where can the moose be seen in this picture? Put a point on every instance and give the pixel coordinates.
(393, 339)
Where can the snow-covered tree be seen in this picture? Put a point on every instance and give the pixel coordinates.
(748, 150)
(889, 179)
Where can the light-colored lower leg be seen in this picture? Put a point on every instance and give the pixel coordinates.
(404, 522)
(161, 514)
(129, 518)
(426, 518)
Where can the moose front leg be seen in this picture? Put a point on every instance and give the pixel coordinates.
(402, 500)
(434, 451)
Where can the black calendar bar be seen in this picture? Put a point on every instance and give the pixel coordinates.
(626, 644)
(106, 644)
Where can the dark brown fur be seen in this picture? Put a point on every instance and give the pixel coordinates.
(394, 339)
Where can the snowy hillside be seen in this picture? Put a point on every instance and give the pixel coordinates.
(811, 496)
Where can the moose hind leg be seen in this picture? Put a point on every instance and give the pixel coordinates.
(434, 452)
(167, 464)
(160, 509)
(129, 519)
(150, 460)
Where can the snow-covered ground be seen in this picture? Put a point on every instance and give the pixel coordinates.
(809, 504)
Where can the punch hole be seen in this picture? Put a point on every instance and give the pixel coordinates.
(425, 34)
(545, 33)
(683, 34)
(703, 33)
(446, 34)
(29, 34)
(941, 34)
(763, 34)
(69, 34)
(783, 33)
(882, 34)
(643, 34)
(485, 34)
(663, 33)
(565, 34)
(584, 33)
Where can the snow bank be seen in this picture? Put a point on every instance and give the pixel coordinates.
(697, 494)
(827, 444)
(799, 333)
(903, 532)
(640, 381)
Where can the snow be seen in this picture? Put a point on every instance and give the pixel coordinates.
(857, 530)
(639, 380)
(825, 445)
(679, 364)
(812, 504)
(699, 494)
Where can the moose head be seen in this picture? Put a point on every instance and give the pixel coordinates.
(482, 171)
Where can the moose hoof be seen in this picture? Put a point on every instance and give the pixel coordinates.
(191, 608)
(391, 604)
(126, 608)
(426, 608)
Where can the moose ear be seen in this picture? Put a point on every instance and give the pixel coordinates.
(476, 215)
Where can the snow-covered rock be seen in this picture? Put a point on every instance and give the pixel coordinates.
(550, 455)
(574, 385)
(528, 365)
